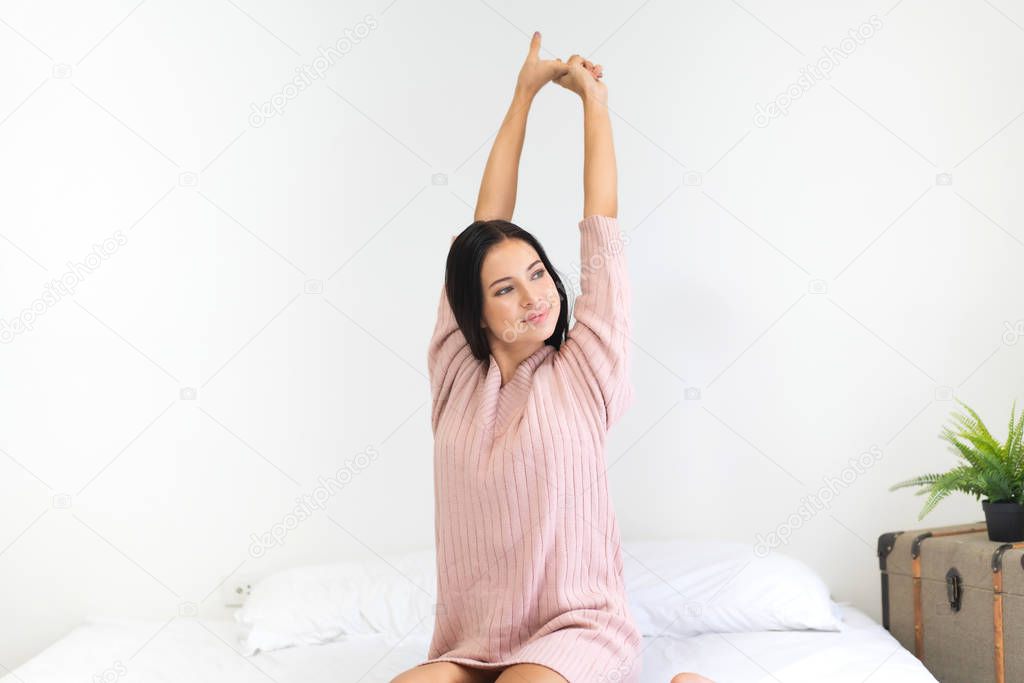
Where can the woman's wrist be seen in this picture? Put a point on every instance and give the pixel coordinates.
(592, 98)
(524, 94)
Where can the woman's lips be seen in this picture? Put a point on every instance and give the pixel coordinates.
(537, 318)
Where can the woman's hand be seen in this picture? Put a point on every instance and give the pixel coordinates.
(584, 78)
(536, 72)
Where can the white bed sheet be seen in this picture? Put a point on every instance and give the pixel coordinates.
(194, 650)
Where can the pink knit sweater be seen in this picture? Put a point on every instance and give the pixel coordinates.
(529, 567)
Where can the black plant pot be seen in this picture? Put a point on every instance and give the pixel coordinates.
(1005, 521)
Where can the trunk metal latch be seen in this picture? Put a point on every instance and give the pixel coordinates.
(954, 588)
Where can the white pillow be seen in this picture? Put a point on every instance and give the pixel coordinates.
(677, 588)
(316, 604)
(683, 587)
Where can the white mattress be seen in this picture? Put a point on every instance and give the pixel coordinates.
(196, 650)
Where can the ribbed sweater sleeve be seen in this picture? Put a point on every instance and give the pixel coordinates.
(447, 348)
(600, 336)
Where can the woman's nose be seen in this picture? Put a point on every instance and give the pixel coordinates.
(533, 302)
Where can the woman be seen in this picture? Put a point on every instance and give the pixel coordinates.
(529, 579)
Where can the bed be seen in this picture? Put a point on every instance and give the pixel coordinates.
(198, 650)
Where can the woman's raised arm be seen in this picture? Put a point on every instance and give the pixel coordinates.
(600, 176)
(497, 196)
(598, 342)
(600, 186)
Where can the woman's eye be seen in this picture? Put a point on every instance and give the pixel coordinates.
(505, 289)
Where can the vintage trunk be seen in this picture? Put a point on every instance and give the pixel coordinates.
(956, 600)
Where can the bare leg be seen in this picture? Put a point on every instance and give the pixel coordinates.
(446, 672)
(689, 677)
(530, 673)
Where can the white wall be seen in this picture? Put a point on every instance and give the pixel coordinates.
(806, 274)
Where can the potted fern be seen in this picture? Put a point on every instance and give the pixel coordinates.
(991, 469)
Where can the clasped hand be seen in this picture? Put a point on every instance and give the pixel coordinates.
(578, 75)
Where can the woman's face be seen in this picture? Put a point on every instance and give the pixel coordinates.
(517, 286)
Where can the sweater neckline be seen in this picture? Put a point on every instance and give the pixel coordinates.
(506, 399)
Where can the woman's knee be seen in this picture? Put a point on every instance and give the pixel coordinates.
(444, 672)
(690, 677)
(530, 672)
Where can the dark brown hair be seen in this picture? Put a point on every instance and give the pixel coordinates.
(465, 292)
